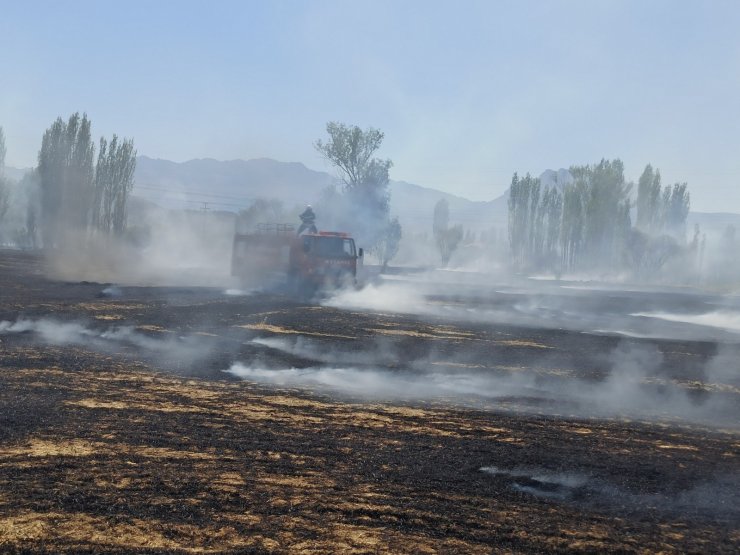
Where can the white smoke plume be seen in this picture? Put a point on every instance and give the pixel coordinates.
(111, 339)
(715, 494)
(632, 386)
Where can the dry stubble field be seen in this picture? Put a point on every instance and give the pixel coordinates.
(136, 441)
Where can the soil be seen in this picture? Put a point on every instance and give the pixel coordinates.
(137, 441)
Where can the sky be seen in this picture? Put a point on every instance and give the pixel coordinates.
(466, 92)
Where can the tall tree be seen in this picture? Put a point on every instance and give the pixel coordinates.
(677, 210)
(28, 235)
(387, 246)
(4, 193)
(525, 219)
(66, 178)
(648, 200)
(606, 202)
(447, 238)
(364, 177)
(572, 227)
(114, 179)
(3, 150)
(552, 206)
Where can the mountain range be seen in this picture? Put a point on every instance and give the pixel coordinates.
(235, 184)
(209, 184)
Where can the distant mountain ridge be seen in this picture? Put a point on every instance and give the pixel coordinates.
(231, 185)
(235, 184)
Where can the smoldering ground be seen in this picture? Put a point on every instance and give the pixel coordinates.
(513, 346)
(591, 307)
(183, 353)
(631, 382)
(712, 496)
(630, 377)
(621, 380)
(423, 452)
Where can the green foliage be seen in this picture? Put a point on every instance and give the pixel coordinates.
(534, 221)
(114, 179)
(661, 211)
(27, 236)
(4, 198)
(648, 200)
(75, 195)
(387, 246)
(646, 254)
(365, 200)
(66, 178)
(4, 193)
(351, 150)
(446, 238)
(573, 224)
(588, 226)
(3, 150)
(676, 210)
(606, 211)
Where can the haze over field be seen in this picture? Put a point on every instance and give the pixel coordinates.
(370, 276)
(466, 95)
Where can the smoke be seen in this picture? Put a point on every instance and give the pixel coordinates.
(632, 381)
(712, 495)
(386, 297)
(163, 347)
(56, 333)
(160, 247)
(724, 367)
(636, 378)
(18, 224)
(602, 309)
(727, 320)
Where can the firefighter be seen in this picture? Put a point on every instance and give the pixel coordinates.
(308, 221)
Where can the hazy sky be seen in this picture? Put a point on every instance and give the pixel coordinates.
(466, 92)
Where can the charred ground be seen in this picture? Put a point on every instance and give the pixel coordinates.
(121, 432)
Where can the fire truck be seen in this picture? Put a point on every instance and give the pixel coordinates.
(274, 254)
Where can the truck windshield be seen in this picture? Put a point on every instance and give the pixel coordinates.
(332, 246)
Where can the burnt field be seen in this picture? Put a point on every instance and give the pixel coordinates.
(415, 416)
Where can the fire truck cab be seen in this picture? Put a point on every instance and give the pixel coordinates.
(308, 262)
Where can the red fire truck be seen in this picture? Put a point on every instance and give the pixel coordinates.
(273, 254)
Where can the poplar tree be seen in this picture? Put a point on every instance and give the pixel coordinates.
(676, 210)
(114, 179)
(446, 238)
(649, 200)
(66, 178)
(525, 222)
(4, 193)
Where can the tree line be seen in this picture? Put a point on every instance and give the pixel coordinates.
(586, 224)
(4, 193)
(72, 195)
(77, 193)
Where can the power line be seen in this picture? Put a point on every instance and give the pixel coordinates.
(195, 193)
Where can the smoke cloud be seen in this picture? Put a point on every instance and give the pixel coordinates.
(714, 495)
(632, 384)
(121, 339)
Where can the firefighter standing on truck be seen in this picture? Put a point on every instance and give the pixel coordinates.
(308, 221)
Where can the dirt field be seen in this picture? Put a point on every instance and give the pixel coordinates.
(122, 432)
